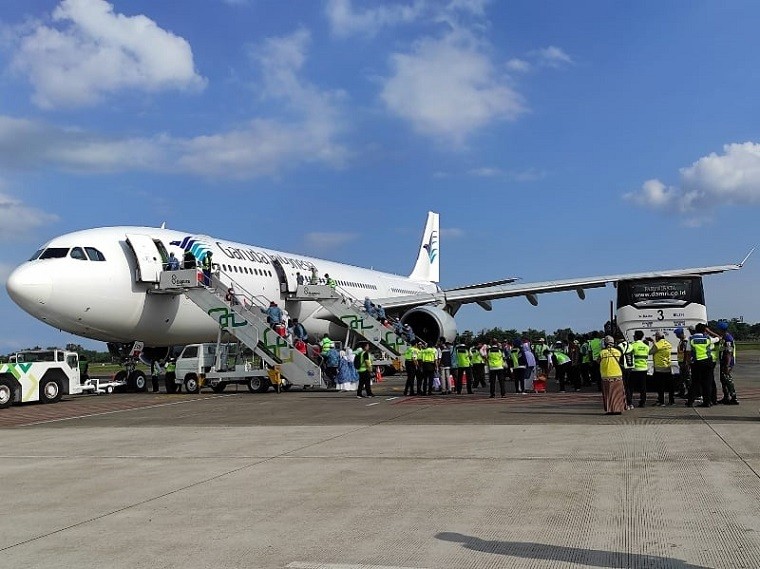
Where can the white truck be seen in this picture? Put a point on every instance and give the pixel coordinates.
(215, 366)
(46, 376)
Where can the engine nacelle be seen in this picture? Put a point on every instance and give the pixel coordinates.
(430, 323)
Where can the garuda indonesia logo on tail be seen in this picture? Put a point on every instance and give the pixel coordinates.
(195, 246)
(432, 246)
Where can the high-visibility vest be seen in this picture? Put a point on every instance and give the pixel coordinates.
(495, 358)
(661, 354)
(701, 348)
(463, 357)
(207, 262)
(596, 347)
(640, 355)
(332, 283)
(428, 355)
(540, 350)
(515, 355)
(585, 353)
(411, 354)
(365, 358)
(561, 357)
(475, 356)
(171, 367)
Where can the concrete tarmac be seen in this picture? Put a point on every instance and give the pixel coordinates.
(315, 480)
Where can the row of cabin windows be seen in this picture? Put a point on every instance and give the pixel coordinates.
(357, 285)
(246, 270)
(78, 253)
(401, 290)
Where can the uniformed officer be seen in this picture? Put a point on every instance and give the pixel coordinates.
(496, 369)
(701, 347)
(411, 365)
(464, 366)
(625, 348)
(640, 365)
(561, 362)
(429, 365)
(478, 366)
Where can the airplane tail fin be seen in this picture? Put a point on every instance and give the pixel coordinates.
(427, 267)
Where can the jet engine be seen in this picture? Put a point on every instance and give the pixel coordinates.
(431, 323)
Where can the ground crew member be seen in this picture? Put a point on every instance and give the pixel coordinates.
(595, 346)
(170, 376)
(640, 365)
(464, 366)
(428, 357)
(727, 360)
(701, 347)
(684, 369)
(331, 282)
(364, 369)
(496, 369)
(624, 347)
(585, 362)
(518, 366)
(478, 366)
(561, 362)
(663, 374)
(542, 353)
(411, 364)
(325, 344)
(206, 267)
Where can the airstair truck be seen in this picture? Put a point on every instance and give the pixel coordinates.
(43, 375)
(215, 366)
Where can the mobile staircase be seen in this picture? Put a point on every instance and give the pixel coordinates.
(351, 312)
(242, 317)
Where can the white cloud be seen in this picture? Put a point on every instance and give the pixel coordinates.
(518, 65)
(551, 57)
(18, 219)
(486, 172)
(449, 88)
(257, 148)
(345, 21)
(89, 51)
(729, 178)
(452, 233)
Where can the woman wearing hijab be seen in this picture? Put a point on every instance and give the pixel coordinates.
(613, 394)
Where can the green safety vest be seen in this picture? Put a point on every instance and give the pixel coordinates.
(515, 355)
(171, 367)
(495, 358)
(595, 344)
(411, 354)
(428, 355)
(561, 356)
(332, 283)
(640, 355)
(463, 357)
(366, 361)
(475, 356)
(701, 348)
(627, 351)
(585, 353)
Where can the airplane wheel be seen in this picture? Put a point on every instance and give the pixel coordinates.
(109, 389)
(6, 393)
(219, 387)
(191, 384)
(51, 391)
(137, 381)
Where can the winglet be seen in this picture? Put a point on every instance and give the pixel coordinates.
(427, 267)
(747, 257)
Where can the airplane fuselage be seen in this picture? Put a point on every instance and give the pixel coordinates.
(113, 299)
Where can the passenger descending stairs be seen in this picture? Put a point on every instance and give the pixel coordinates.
(350, 311)
(247, 323)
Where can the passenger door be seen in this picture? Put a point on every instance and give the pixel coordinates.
(149, 262)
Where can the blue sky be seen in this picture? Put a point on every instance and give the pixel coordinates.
(556, 139)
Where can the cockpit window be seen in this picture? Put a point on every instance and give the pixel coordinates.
(37, 254)
(78, 254)
(94, 254)
(54, 253)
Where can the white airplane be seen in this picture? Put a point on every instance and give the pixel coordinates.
(98, 283)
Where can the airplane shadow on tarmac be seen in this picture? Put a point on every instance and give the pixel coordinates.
(593, 557)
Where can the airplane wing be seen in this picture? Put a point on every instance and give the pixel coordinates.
(483, 294)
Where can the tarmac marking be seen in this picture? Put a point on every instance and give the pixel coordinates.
(132, 408)
(305, 565)
(371, 404)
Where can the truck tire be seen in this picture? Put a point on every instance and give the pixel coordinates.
(219, 387)
(51, 391)
(191, 384)
(258, 384)
(137, 381)
(6, 393)
(171, 387)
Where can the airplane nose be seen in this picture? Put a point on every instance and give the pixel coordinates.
(30, 286)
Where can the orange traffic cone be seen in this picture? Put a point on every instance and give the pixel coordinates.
(378, 376)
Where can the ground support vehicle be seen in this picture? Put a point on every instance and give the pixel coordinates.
(46, 376)
(217, 366)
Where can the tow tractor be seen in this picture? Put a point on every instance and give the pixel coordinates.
(46, 376)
